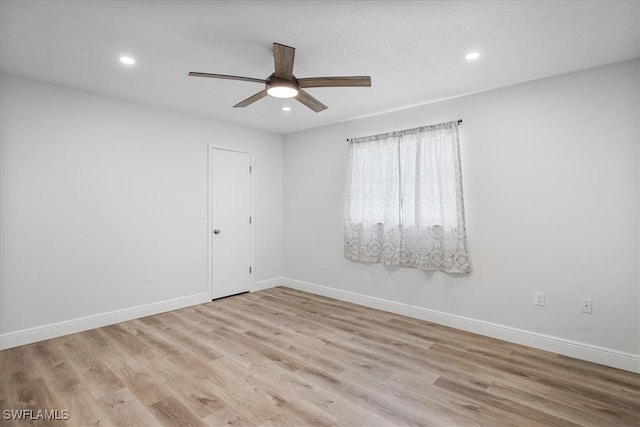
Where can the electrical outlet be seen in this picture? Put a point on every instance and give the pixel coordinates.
(586, 305)
(323, 264)
(148, 276)
(538, 298)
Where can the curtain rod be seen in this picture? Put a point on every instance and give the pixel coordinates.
(459, 123)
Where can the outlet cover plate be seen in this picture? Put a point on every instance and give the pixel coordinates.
(538, 298)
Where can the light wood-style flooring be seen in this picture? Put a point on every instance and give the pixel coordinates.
(285, 357)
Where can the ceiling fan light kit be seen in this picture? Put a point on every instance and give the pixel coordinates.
(283, 84)
(281, 88)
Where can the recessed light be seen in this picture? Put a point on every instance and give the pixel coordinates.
(127, 60)
(473, 55)
(286, 108)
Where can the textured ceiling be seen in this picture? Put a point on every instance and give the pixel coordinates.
(413, 50)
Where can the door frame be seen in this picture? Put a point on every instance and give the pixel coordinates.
(210, 226)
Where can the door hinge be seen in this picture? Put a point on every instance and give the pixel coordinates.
(249, 220)
(249, 169)
(249, 270)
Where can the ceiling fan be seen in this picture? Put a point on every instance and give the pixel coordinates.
(283, 84)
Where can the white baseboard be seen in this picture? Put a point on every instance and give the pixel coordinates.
(578, 350)
(266, 284)
(39, 333)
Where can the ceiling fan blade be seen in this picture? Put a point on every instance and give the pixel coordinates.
(344, 81)
(250, 100)
(283, 59)
(310, 101)
(226, 76)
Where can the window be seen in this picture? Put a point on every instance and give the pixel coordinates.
(404, 200)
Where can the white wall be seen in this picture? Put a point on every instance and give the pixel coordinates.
(550, 171)
(95, 190)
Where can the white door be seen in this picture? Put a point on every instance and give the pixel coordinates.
(230, 222)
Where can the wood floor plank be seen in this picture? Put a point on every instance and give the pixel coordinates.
(573, 411)
(190, 341)
(340, 410)
(280, 398)
(282, 357)
(124, 409)
(170, 411)
(156, 340)
(558, 382)
(46, 353)
(83, 409)
(125, 339)
(353, 327)
(101, 380)
(610, 384)
(241, 393)
(229, 416)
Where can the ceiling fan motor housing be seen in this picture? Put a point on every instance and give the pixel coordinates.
(282, 88)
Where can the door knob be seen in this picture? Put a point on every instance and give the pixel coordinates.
(216, 231)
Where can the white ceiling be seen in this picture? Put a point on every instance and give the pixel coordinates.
(413, 50)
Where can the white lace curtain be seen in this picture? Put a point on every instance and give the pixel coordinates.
(404, 200)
